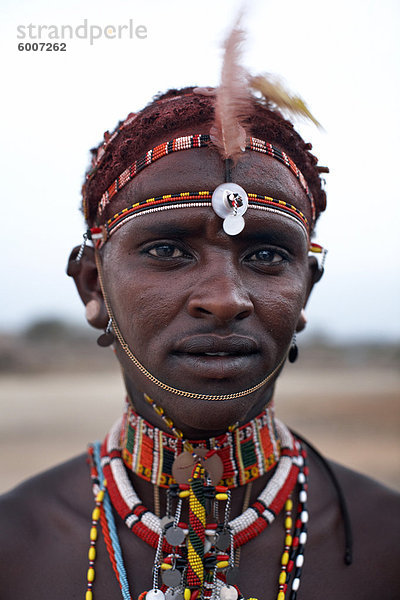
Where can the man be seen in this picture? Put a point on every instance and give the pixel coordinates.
(199, 274)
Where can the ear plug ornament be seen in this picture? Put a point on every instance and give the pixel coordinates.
(230, 202)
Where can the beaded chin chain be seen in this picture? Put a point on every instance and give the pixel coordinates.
(200, 559)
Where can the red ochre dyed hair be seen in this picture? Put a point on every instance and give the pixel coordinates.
(177, 109)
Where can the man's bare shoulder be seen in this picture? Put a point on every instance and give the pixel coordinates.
(52, 505)
(368, 495)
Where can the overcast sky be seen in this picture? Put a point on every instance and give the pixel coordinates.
(341, 56)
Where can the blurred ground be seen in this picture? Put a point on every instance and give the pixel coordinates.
(57, 396)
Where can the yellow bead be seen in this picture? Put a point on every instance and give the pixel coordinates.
(281, 596)
(221, 496)
(90, 574)
(288, 504)
(159, 410)
(89, 595)
(282, 578)
(93, 534)
(187, 594)
(288, 540)
(165, 566)
(288, 523)
(169, 422)
(184, 493)
(178, 433)
(100, 496)
(92, 553)
(285, 558)
(222, 564)
(96, 514)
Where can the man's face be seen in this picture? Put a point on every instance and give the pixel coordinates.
(203, 311)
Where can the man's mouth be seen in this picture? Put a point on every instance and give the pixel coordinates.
(216, 357)
(214, 345)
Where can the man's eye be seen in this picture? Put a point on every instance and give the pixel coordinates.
(166, 251)
(265, 256)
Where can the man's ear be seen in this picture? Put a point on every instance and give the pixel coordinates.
(85, 275)
(315, 274)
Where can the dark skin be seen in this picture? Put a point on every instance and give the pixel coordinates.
(175, 278)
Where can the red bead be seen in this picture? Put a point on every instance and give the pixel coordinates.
(221, 488)
(289, 566)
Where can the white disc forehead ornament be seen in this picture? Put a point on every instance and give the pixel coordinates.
(230, 202)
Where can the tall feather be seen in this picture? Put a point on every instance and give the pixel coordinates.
(232, 99)
(274, 91)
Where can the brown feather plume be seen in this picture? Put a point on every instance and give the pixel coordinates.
(232, 100)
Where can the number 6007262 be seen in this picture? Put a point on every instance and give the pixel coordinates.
(42, 47)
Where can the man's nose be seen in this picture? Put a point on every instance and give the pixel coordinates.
(221, 295)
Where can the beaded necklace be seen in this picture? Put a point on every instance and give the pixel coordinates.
(246, 452)
(218, 568)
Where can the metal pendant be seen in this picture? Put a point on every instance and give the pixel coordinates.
(171, 577)
(173, 595)
(183, 465)
(164, 521)
(230, 202)
(233, 224)
(222, 540)
(227, 592)
(105, 339)
(155, 595)
(175, 536)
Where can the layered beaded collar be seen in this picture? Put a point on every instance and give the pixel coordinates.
(175, 557)
(246, 452)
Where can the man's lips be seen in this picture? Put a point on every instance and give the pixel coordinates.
(218, 346)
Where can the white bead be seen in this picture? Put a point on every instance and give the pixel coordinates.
(303, 496)
(296, 584)
(300, 461)
(304, 516)
(301, 478)
(300, 560)
(155, 595)
(303, 537)
(228, 592)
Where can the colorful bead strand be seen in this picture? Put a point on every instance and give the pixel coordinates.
(185, 143)
(247, 451)
(96, 514)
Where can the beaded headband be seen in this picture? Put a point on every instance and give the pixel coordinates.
(189, 200)
(188, 142)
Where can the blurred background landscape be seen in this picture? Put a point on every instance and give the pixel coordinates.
(59, 391)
